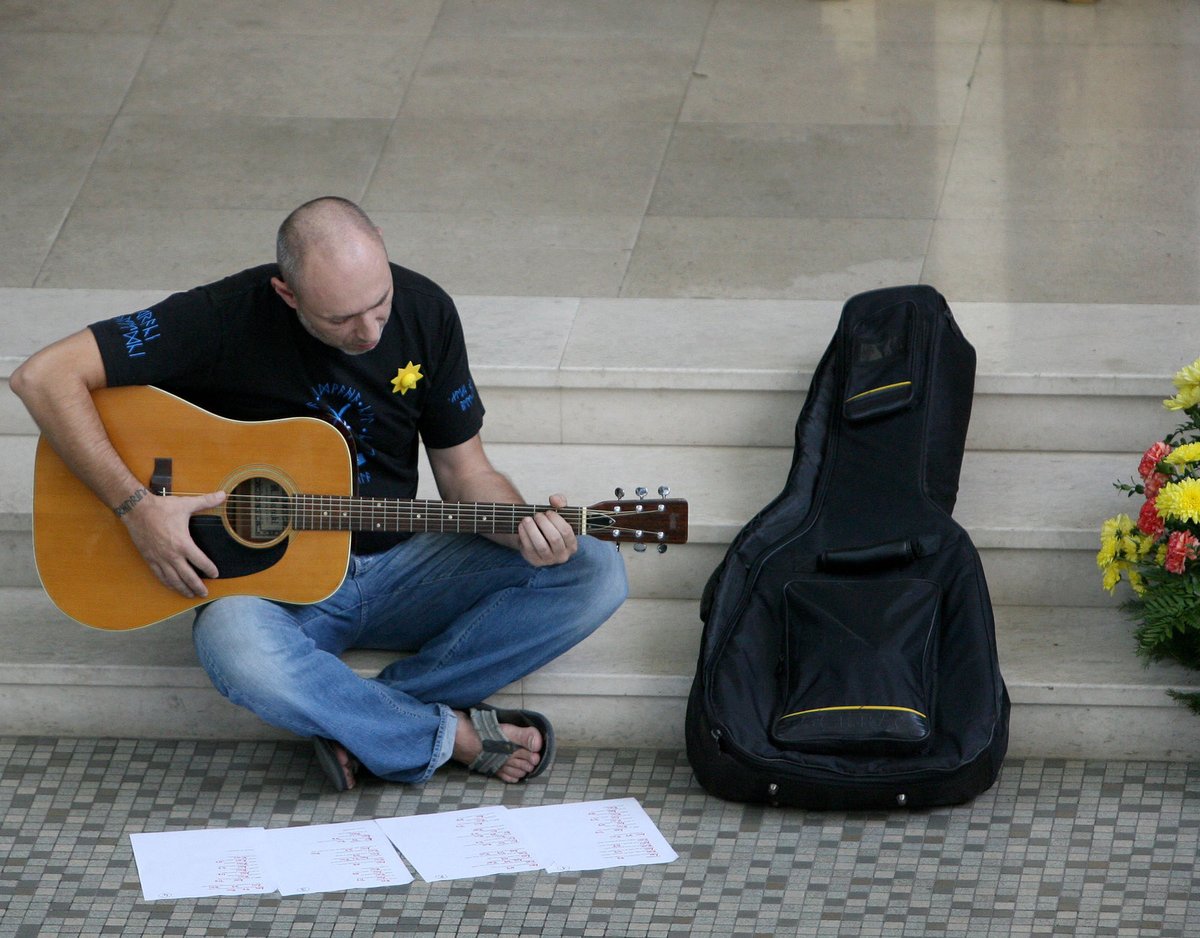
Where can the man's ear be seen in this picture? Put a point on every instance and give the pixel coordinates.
(285, 293)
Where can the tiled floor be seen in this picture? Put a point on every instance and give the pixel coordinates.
(1055, 848)
(1002, 150)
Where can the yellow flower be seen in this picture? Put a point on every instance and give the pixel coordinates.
(1187, 381)
(406, 379)
(1187, 376)
(1108, 543)
(1113, 538)
(1112, 576)
(1180, 500)
(1119, 525)
(1138, 582)
(1183, 400)
(1182, 455)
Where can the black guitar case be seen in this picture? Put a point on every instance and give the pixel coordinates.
(849, 651)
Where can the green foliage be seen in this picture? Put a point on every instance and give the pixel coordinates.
(1167, 617)
(1191, 701)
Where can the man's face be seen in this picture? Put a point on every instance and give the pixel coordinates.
(351, 332)
(344, 300)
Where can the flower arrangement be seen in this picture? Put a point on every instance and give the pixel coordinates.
(1159, 552)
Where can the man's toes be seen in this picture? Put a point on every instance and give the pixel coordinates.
(349, 765)
(518, 766)
(527, 737)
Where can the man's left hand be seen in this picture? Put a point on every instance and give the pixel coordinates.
(546, 539)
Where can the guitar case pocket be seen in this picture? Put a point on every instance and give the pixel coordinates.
(858, 665)
(883, 373)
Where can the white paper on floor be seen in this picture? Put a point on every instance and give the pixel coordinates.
(190, 864)
(588, 835)
(460, 844)
(330, 857)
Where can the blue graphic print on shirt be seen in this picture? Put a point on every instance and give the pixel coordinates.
(463, 396)
(137, 330)
(348, 409)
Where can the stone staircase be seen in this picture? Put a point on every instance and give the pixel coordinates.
(587, 394)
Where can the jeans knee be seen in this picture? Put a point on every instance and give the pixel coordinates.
(603, 573)
(235, 638)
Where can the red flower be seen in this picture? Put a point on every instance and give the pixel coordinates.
(1148, 521)
(1154, 482)
(1154, 455)
(1181, 547)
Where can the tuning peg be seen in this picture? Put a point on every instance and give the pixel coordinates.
(662, 548)
(619, 492)
(664, 491)
(640, 491)
(640, 548)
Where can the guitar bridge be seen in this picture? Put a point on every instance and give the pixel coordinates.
(164, 472)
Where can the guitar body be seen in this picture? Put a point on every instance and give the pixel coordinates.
(88, 563)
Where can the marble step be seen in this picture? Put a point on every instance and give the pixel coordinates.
(718, 372)
(1035, 517)
(1078, 690)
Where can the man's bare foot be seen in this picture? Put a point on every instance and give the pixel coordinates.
(338, 765)
(467, 746)
(348, 763)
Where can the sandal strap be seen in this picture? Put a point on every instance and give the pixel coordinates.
(496, 746)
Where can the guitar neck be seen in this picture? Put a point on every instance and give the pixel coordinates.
(391, 515)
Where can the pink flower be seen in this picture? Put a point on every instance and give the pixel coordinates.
(1154, 482)
(1154, 455)
(1149, 522)
(1181, 547)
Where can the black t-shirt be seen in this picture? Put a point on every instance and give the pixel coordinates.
(236, 349)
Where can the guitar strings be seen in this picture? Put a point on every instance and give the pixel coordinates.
(356, 509)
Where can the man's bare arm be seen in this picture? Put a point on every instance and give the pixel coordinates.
(56, 386)
(464, 474)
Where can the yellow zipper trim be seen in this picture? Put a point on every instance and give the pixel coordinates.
(800, 713)
(886, 387)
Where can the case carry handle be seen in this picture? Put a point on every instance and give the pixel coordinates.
(873, 557)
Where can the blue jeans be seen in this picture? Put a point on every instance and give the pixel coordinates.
(473, 614)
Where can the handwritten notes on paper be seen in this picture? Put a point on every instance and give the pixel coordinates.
(328, 857)
(189, 864)
(557, 838)
(588, 835)
(594, 835)
(459, 844)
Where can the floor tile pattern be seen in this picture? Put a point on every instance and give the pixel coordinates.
(1055, 848)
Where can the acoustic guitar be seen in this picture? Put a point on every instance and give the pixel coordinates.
(284, 530)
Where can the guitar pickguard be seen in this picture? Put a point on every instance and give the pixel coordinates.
(233, 559)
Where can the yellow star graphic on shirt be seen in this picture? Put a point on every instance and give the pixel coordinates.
(406, 378)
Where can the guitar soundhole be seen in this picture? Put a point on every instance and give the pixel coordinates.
(258, 511)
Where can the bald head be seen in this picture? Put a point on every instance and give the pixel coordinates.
(330, 226)
(334, 273)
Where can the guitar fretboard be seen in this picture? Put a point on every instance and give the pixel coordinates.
(348, 513)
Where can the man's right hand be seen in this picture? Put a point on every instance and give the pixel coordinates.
(158, 526)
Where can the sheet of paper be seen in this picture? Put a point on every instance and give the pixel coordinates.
(190, 864)
(458, 844)
(593, 835)
(333, 857)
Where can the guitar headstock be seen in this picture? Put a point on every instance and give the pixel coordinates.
(641, 521)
